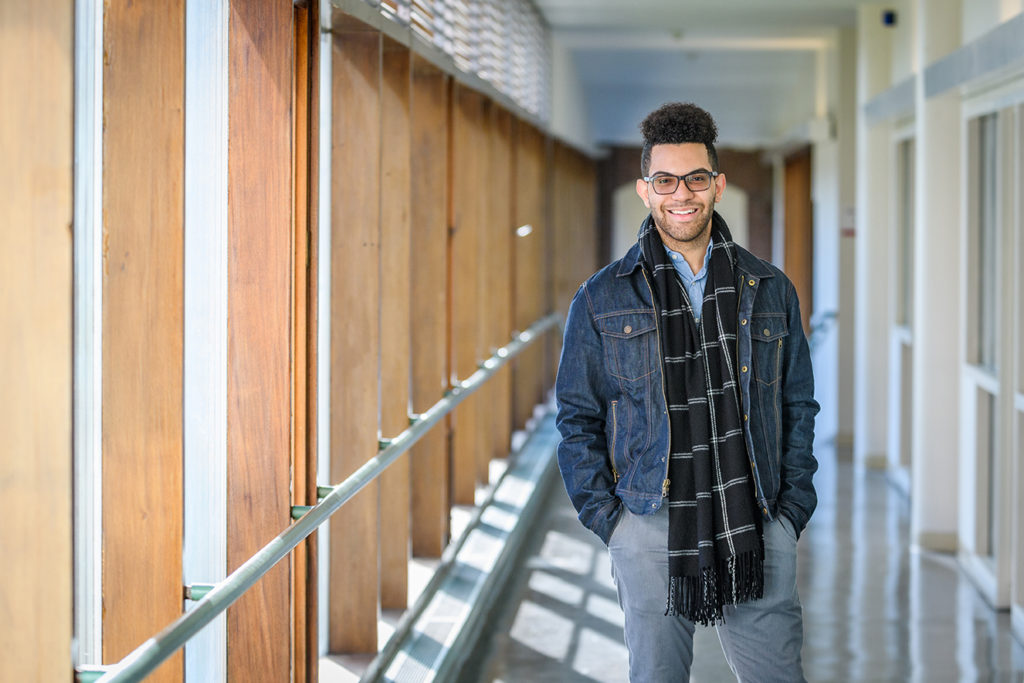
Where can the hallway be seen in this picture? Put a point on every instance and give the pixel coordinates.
(253, 254)
(874, 609)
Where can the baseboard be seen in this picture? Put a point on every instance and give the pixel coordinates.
(937, 541)
(876, 461)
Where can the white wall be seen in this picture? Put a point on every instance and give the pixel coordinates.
(903, 62)
(734, 209)
(628, 211)
(872, 282)
(570, 118)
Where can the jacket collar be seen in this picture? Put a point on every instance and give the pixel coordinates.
(631, 261)
(748, 264)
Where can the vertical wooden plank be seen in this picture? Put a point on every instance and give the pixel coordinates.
(464, 219)
(35, 334)
(574, 224)
(429, 460)
(305, 655)
(395, 335)
(312, 142)
(564, 233)
(355, 332)
(143, 176)
(497, 249)
(260, 326)
(530, 272)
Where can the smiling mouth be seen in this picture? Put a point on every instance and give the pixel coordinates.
(682, 212)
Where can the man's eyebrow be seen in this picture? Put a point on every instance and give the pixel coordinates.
(696, 170)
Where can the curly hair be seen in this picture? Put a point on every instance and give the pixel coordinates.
(675, 123)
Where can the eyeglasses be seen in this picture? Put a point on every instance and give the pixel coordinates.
(666, 183)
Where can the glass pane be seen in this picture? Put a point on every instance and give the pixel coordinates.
(990, 455)
(988, 237)
(905, 303)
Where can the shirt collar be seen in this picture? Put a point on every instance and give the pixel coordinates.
(683, 268)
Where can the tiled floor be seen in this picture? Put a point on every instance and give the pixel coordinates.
(874, 610)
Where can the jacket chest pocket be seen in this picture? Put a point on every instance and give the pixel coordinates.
(768, 333)
(630, 343)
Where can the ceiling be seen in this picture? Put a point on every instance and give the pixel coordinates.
(756, 65)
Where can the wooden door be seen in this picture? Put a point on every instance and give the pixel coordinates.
(799, 231)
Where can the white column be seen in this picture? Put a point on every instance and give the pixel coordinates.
(204, 551)
(846, 118)
(938, 265)
(873, 279)
(88, 350)
(323, 360)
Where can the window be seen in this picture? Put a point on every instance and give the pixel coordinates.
(987, 258)
(905, 229)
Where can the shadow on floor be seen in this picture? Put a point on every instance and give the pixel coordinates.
(874, 609)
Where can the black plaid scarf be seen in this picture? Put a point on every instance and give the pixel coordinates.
(715, 546)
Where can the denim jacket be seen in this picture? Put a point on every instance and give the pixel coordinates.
(612, 410)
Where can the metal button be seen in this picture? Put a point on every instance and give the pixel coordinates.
(767, 332)
(744, 368)
(743, 322)
(745, 417)
(627, 329)
(751, 282)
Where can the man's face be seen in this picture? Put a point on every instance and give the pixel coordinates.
(684, 217)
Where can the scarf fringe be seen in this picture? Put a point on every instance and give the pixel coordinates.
(700, 598)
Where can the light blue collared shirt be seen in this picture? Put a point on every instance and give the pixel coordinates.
(693, 282)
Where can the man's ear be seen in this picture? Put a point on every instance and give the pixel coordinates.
(719, 187)
(641, 189)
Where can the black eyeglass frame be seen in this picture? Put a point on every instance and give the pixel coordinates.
(685, 178)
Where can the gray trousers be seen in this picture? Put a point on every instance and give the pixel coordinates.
(761, 639)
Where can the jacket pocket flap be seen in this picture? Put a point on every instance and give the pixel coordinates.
(626, 324)
(768, 327)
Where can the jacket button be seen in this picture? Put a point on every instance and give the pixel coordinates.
(743, 322)
(745, 417)
(627, 329)
(767, 332)
(751, 282)
(744, 368)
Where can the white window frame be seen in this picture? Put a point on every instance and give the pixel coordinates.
(900, 331)
(986, 402)
(204, 547)
(88, 335)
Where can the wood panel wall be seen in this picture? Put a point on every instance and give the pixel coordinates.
(396, 341)
(143, 177)
(428, 299)
(260, 326)
(530, 273)
(574, 214)
(465, 220)
(35, 334)
(574, 217)
(355, 332)
(498, 254)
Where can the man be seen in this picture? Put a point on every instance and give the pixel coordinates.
(685, 404)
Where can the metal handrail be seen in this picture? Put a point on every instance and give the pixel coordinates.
(148, 656)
